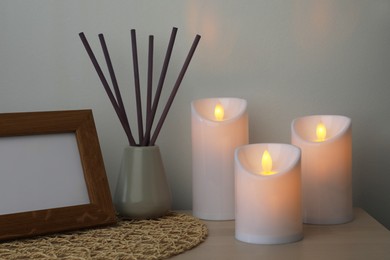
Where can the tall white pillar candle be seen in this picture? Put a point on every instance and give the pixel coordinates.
(326, 145)
(268, 194)
(219, 125)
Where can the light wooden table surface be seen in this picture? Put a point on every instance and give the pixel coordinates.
(363, 238)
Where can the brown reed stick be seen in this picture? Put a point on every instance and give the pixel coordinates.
(114, 81)
(160, 84)
(174, 90)
(110, 95)
(150, 84)
(137, 86)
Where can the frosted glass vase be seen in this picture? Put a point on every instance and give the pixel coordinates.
(142, 190)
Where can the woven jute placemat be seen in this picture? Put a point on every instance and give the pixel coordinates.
(129, 239)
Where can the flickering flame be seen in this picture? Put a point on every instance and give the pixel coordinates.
(219, 112)
(321, 132)
(266, 163)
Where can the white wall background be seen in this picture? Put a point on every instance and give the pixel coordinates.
(287, 58)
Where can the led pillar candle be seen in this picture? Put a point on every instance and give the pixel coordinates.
(219, 125)
(268, 194)
(326, 145)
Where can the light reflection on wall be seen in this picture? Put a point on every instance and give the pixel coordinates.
(218, 27)
(321, 24)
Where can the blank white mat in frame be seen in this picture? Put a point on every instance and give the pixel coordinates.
(40, 172)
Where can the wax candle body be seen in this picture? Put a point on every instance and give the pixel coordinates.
(326, 168)
(214, 139)
(268, 207)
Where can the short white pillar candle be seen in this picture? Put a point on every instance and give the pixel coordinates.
(326, 144)
(219, 125)
(268, 194)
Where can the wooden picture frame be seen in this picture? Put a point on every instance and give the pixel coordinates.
(99, 210)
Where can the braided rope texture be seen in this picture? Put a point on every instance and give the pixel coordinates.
(129, 239)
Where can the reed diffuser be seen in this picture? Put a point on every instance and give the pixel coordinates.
(142, 190)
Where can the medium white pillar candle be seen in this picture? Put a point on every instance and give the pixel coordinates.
(326, 144)
(219, 125)
(268, 194)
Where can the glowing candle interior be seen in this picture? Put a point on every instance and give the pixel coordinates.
(266, 163)
(219, 112)
(321, 132)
